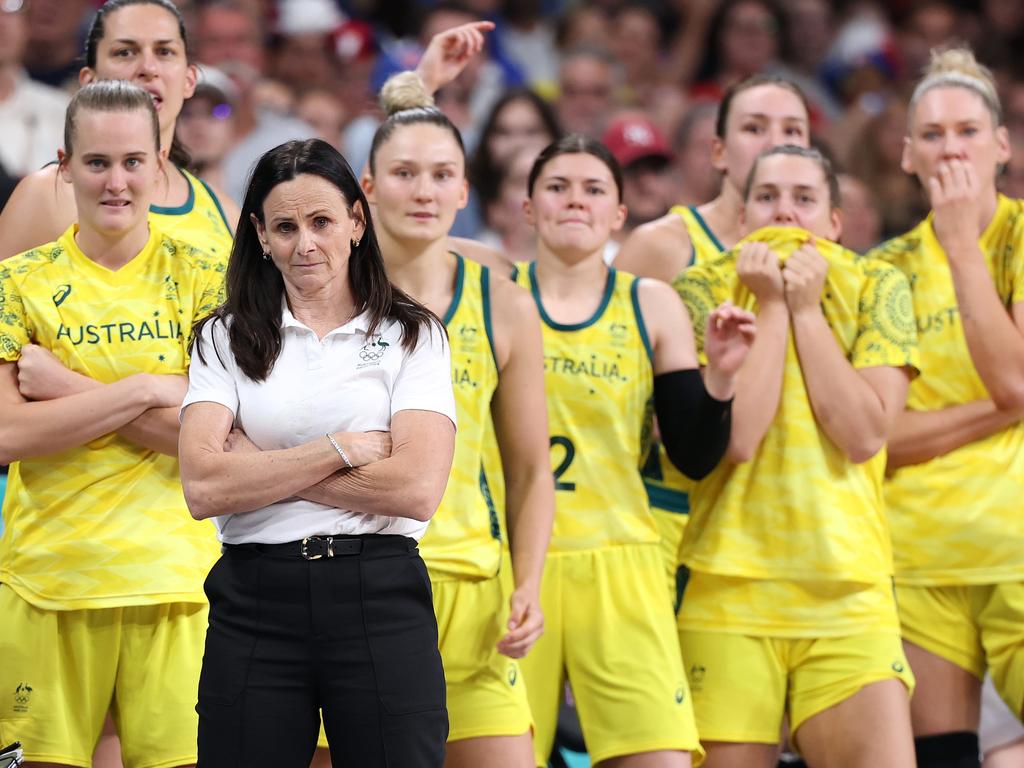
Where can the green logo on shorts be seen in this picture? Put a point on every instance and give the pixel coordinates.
(680, 695)
(22, 697)
(513, 674)
(898, 667)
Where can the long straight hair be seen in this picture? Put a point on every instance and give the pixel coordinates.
(255, 286)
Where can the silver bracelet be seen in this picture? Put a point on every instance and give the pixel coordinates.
(340, 450)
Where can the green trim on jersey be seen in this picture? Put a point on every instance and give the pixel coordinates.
(707, 231)
(186, 207)
(460, 279)
(216, 202)
(634, 295)
(609, 288)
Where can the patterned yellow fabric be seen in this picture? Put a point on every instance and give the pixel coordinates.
(800, 509)
(957, 519)
(464, 537)
(199, 222)
(599, 385)
(105, 524)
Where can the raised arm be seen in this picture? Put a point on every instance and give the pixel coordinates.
(660, 249)
(448, 51)
(519, 410)
(995, 338)
(918, 436)
(759, 381)
(29, 429)
(856, 408)
(694, 414)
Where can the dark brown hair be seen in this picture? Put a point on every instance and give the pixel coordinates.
(177, 154)
(754, 81)
(255, 286)
(575, 144)
(810, 153)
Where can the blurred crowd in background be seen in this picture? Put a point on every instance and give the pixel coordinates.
(642, 75)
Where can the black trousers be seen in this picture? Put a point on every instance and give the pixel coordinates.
(353, 635)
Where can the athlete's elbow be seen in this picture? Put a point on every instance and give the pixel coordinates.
(1010, 399)
(864, 448)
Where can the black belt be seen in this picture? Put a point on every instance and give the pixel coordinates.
(318, 547)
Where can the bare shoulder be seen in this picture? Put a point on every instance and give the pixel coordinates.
(41, 207)
(481, 254)
(659, 249)
(516, 322)
(661, 307)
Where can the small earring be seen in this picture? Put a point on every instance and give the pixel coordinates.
(355, 243)
(266, 255)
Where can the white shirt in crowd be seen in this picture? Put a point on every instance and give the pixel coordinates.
(345, 382)
(31, 126)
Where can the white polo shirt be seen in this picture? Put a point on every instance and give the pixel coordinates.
(345, 382)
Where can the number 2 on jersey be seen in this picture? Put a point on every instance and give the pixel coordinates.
(561, 469)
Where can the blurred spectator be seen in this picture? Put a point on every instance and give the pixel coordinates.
(206, 125)
(745, 37)
(875, 159)
(528, 39)
(55, 33)
(302, 46)
(586, 89)
(643, 152)
(507, 231)
(7, 184)
(585, 26)
(637, 46)
(229, 31)
(697, 179)
(930, 24)
(31, 114)
(324, 113)
(230, 38)
(520, 118)
(862, 224)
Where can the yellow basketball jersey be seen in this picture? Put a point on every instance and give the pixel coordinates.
(957, 519)
(599, 386)
(105, 524)
(464, 537)
(200, 222)
(800, 509)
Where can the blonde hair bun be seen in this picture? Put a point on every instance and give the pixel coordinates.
(404, 91)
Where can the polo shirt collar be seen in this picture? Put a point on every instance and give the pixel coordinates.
(358, 324)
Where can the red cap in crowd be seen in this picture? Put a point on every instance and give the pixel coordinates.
(635, 137)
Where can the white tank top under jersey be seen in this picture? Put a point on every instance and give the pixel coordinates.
(344, 382)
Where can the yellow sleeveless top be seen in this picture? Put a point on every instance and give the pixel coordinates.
(200, 221)
(957, 518)
(666, 486)
(105, 524)
(464, 537)
(599, 384)
(799, 509)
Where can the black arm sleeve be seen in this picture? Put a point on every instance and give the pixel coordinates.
(694, 426)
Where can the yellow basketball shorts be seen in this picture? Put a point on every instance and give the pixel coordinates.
(977, 627)
(61, 671)
(610, 630)
(486, 692)
(743, 685)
